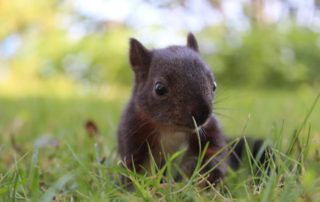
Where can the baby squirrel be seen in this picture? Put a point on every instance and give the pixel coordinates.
(173, 88)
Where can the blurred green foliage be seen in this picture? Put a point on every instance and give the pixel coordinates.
(269, 57)
(94, 58)
(55, 40)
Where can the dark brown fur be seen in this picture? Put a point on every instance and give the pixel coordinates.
(190, 94)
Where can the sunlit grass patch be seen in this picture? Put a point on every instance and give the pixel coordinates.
(19, 85)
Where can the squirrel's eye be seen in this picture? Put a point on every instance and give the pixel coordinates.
(214, 86)
(160, 89)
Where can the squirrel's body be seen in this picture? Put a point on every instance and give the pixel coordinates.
(171, 107)
(173, 88)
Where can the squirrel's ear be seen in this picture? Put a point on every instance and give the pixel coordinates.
(192, 42)
(139, 56)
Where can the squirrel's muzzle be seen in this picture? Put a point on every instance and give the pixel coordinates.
(201, 114)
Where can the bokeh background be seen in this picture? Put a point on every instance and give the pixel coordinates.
(269, 44)
(63, 62)
(65, 78)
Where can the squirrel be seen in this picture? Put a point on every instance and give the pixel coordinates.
(172, 94)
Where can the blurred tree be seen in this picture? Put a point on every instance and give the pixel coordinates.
(20, 16)
(56, 39)
(48, 38)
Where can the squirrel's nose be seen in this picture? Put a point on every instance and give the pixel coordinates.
(201, 114)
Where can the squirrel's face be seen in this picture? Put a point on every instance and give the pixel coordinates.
(173, 85)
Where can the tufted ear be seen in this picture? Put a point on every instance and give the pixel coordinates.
(139, 56)
(192, 42)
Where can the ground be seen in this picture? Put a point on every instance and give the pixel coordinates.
(48, 153)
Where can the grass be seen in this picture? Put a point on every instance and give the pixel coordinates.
(46, 152)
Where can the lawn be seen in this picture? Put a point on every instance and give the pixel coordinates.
(46, 152)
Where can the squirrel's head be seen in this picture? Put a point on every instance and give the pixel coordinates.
(173, 84)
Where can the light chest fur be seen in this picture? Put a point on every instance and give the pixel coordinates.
(171, 141)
